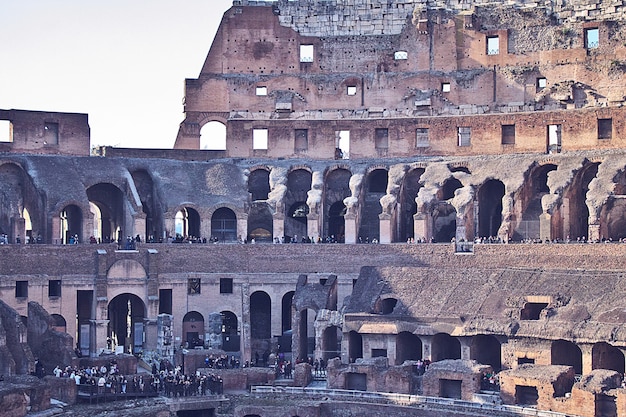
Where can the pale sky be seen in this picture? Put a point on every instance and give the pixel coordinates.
(123, 62)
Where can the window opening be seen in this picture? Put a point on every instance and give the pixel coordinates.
(342, 144)
(193, 286)
(21, 289)
(213, 136)
(532, 311)
(352, 90)
(51, 133)
(464, 134)
(261, 91)
(542, 83)
(508, 134)
(381, 138)
(445, 87)
(421, 137)
(379, 353)
(259, 139)
(554, 138)
(493, 45)
(54, 288)
(302, 140)
(400, 55)
(592, 38)
(306, 53)
(226, 285)
(6, 131)
(605, 128)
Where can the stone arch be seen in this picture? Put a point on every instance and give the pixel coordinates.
(528, 201)
(331, 343)
(213, 136)
(259, 184)
(260, 318)
(613, 213)
(355, 346)
(375, 188)
(490, 208)
(385, 305)
(110, 201)
(408, 207)
(187, 223)
(150, 204)
(230, 332)
(306, 333)
(336, 189)
(443, 213)
(607, 356)
(193, 329)
(125, 269)
(224, 225)
(58, 323)
(563, 352)
(408, 347)
(576, 194)
(18, 193)
(445, 346)
(71, 219)
(126, 314)
(286, 311)
(298, 185)
(486, 349)
(260, 222)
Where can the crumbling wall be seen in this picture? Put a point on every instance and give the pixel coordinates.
(19, 352)
(49, 346)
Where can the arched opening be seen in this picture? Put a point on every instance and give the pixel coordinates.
(336, 222)
(259, 184)
(355, 346)
(296, 221)
(71, 224)
(213, 136)
(444, 222)
(563, 352)
(408, 348)
(126, 313)
(336, 189)
(448, 188)
(298, 186)
(606, 356)
(486, 349)
(386, 305)
(187, 224)
(530, 198)
(97, 223)
(110, 201)
(287, 303)
(260, 321)
(260, 222)
(193, 329)
(445, 346)
(224, 225)
(230, 334)
(150, 205)
(19, 200)
(58, 323)
(408, 206)
(28, 226)
(307, 334)
(331, 343)
(375, 189)
(490, 208)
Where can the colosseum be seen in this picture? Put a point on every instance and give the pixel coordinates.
(417, 193)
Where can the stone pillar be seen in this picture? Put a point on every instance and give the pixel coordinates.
(139, 226)
(421, 222)
(586, 351)
(19, 230)
(150, 333)
(545, 226)
(242, 227)
(246, 348)
(385, 228)
(87, 229)
(350, 228)
(466, 347)
(55, 237)
(427, 347)
(313, 226)
(170, 228)
(460, 232)
(99, 336)
(213, 332)
(594, 232)
(565, 210)
(278, 225)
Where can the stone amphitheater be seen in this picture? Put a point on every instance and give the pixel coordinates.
(420, 194)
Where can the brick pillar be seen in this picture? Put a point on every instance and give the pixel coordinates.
(55, 237)
(586, 351)
(19, 230)
(350, 227)
(545, 226)
(278, 225)
(427, 345)
(386, 232)
(242, 227)
(99, 336)
(594, 232)
(421, 226)
(466, 347)
(139, 226)
(313, 226)
(246, 348)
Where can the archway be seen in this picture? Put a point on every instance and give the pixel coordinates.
(336, 189)
(213, 136)
(331, 343)
(490, 208)
(375, 188)
(259, 184)
(150, 205)
(287, 303)
(529, 197)
(408, 206)
(445, 346)
(607, 356)
(230, 334)
(307, 334)
(296, 221)
(336, 222)
(110, 201)
(444, 222)
(126, 313)
(193, 329)
(71, 224)
(260, 316)
(296, 208)
(224, 225)
(58, 323)
(260, 222)
(408, 347)
(486, 349)
(563, 352)
(20, 199)
(187, 224)
(355, 346)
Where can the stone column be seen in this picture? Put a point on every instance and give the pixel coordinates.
(385, 228)
(19, 230)
(350, 228)
(99, 336)
(139, 226)
(55, 237)
(594, 232)
(586, 351)
(565, 211)
(466, 347)
(460, 232)
(150, 332)
(278, 225)
(545, 229)
(242, 227)
(421, 222)
(170, 228)
(87, 229)
(246, 348)
(427, 345)
(313, 226)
